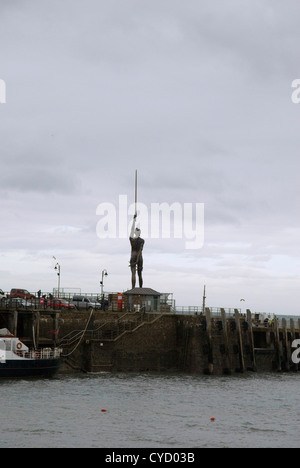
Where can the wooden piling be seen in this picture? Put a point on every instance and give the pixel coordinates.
(294, 366)
(251, 339)
(55, 327)
(14, 326)
(228, 365)
(277, 362)
(209, 339)
(35, 328)
(286, 353)
(240, 341)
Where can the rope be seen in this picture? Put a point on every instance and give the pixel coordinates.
(66, 355)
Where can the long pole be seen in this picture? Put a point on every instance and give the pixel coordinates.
(135, 194)
(101, 283)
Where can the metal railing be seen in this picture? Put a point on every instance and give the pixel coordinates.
(75, 335)
(198, 310)
(110, 329)
(55, 304)
(43, 304)
(43, 353)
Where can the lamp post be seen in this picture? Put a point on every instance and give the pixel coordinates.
(104, 273)
(57, 267)
(203, 301)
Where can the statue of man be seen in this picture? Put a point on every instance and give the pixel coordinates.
(136, 259)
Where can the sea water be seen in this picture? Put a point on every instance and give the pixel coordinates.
(127, 410)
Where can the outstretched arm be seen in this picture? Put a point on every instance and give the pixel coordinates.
(133, 227)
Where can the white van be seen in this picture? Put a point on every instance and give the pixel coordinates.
(85, 303)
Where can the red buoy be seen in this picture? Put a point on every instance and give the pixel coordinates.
(103, 410)
(212, 419)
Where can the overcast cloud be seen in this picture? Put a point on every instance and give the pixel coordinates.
(196, 96)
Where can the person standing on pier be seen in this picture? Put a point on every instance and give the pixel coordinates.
(136, 260)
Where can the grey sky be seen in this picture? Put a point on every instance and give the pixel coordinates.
(195, 95)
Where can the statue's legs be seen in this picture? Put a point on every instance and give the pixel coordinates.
(136, 266)
(140, 277)
(140, 269)
(133, 277)
(141, 280)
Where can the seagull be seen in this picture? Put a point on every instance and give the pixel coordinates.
(242, 300)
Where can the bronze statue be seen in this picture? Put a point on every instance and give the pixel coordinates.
(136, 259)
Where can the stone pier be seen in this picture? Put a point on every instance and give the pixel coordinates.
(157, 341)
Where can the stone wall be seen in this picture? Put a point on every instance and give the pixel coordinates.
(194, 344)
(112, 341)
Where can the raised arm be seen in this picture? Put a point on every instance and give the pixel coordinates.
(133, 227)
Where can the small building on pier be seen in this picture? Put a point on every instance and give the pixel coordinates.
(142, 300)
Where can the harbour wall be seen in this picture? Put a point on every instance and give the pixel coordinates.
(116, 341)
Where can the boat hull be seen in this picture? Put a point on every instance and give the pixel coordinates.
(29, 368)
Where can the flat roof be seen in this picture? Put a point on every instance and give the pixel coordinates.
(142, 292)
